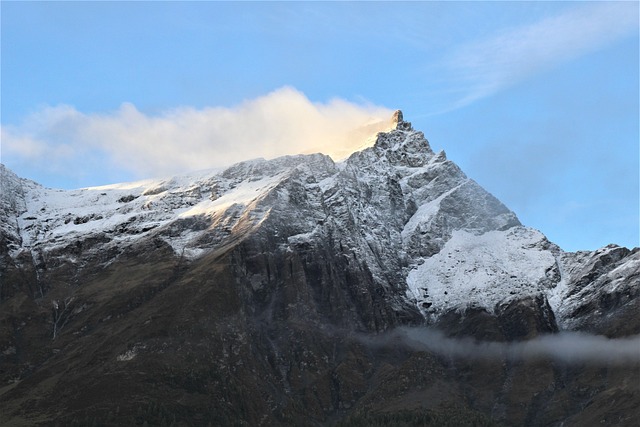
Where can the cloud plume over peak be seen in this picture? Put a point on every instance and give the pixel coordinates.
(282, 122)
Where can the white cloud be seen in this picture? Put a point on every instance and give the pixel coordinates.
(482, 68)
(21, 145)
(566, 347)
(279, 123)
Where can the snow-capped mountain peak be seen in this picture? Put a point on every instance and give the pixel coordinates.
(421, 228)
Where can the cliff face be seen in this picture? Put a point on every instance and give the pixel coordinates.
(272, 293)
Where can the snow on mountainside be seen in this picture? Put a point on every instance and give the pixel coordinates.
(48, 218)
(410, 214)
(484, 270)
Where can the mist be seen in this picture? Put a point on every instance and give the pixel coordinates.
(184, 139)
(563, 347)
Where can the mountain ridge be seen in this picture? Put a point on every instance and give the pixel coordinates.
(427, 198)
(263, 293)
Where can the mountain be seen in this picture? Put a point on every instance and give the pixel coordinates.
(300, 291)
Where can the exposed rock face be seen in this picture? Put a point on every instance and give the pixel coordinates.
(398, 121)
(397, 117)
(262, 295)
(600, 291)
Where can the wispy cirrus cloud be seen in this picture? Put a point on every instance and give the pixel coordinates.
(482, 68)
(282, 122)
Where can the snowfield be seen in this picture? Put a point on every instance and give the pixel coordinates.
(483, 270)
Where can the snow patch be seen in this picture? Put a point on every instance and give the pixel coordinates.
(425, 213)
(482, 270)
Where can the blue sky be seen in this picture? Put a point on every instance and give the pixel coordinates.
(537, 101)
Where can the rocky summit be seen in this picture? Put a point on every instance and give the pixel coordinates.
(387, 289)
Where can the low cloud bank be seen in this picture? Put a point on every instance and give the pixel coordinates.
(282, 122)
(565, 347)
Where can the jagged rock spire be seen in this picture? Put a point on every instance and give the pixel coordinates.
(397, 117)
(398, 120)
